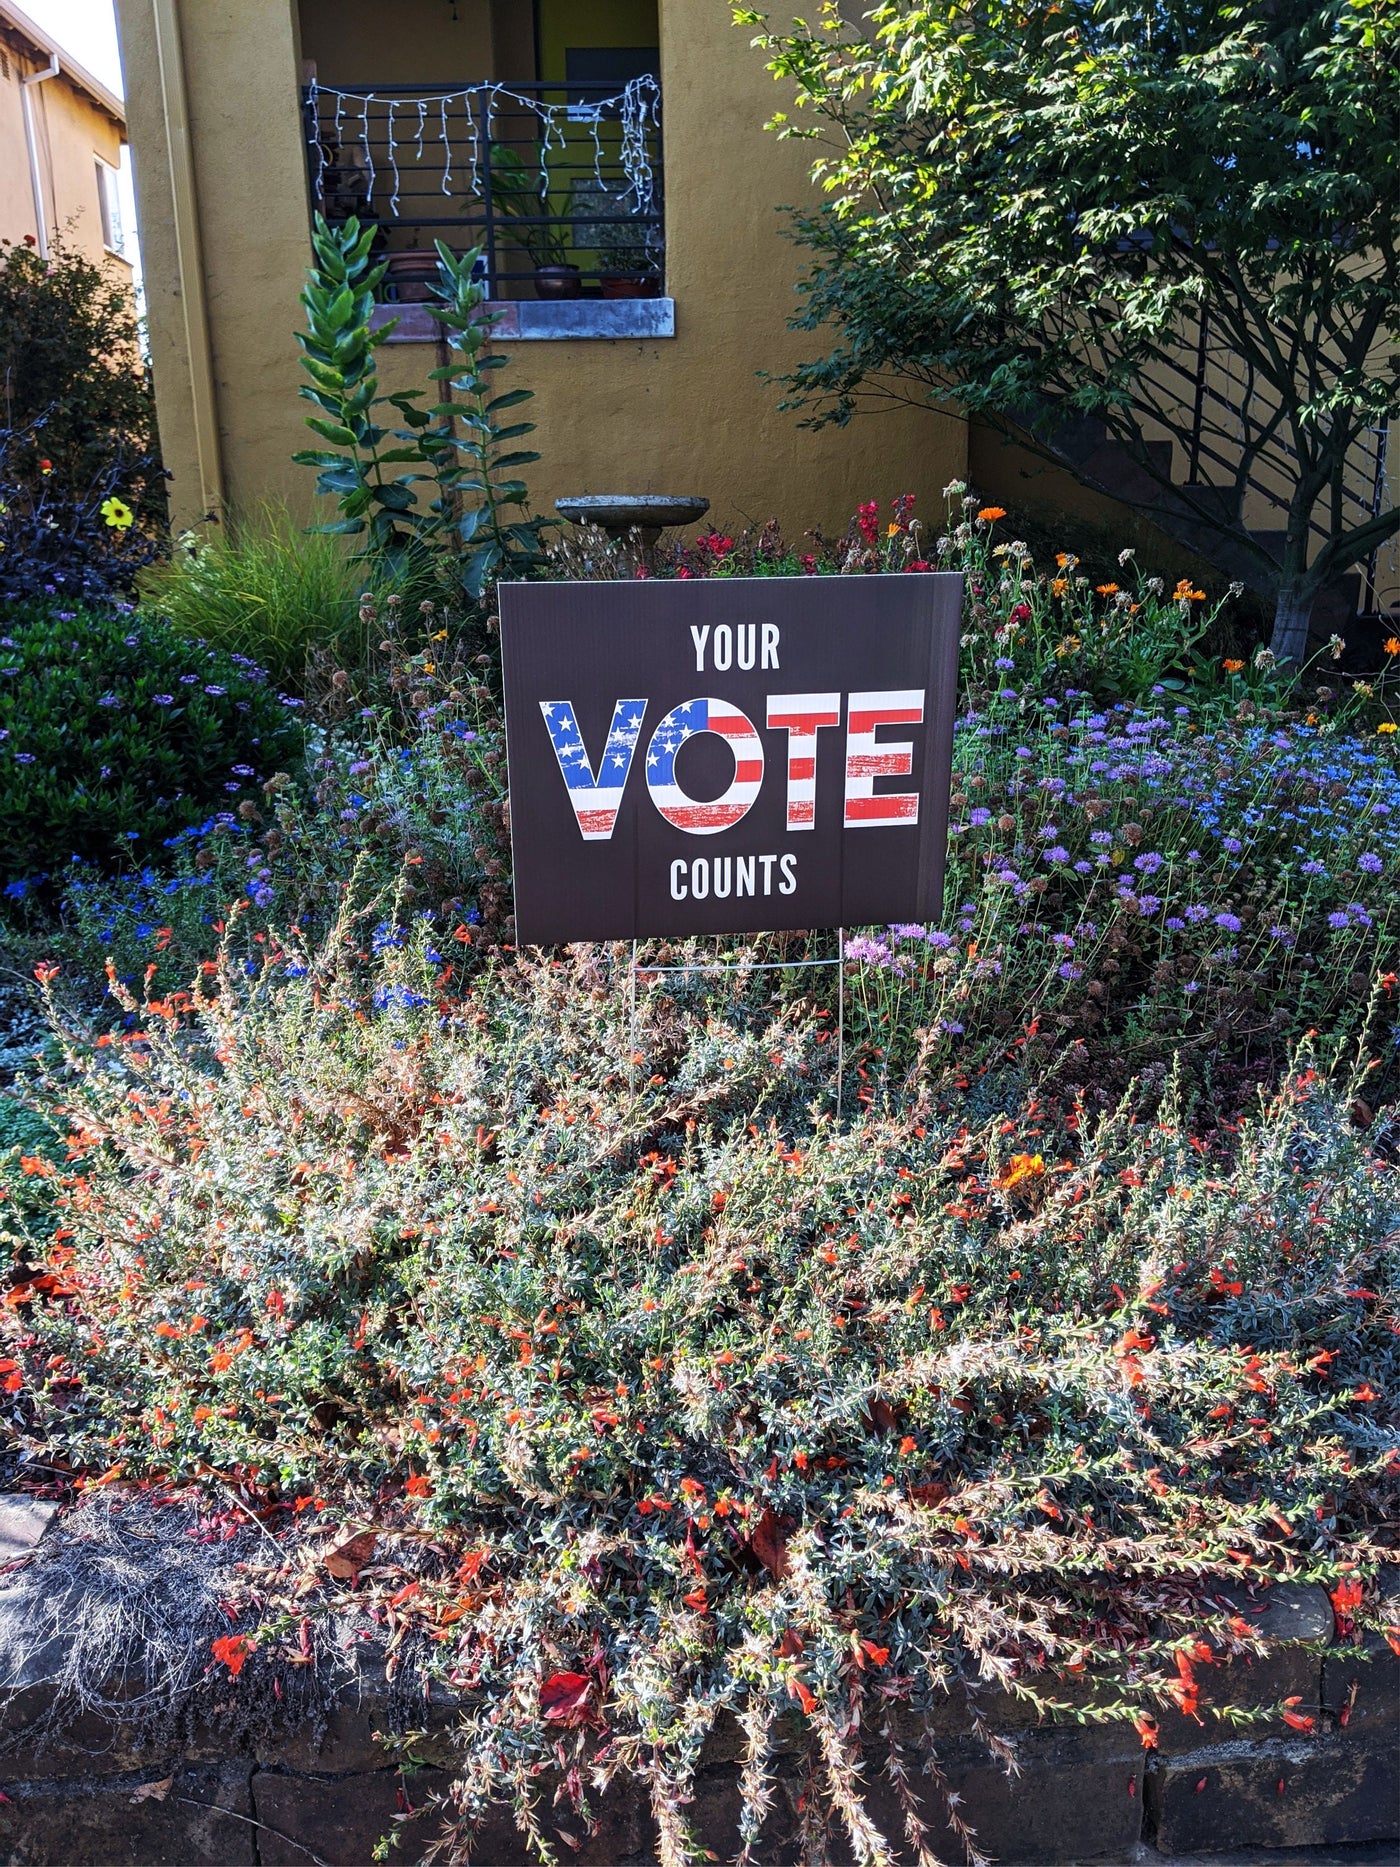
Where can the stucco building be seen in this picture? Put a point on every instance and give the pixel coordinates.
(61, 137)
(610, 156)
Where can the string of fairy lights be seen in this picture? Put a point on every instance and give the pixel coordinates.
(421, 122)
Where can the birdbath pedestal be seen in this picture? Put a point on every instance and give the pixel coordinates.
(621, 514)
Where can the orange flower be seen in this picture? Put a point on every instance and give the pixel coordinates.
(1058, 585)
(1232, 664)
(419, 1486)
(1392, 645)
(1185, 594)
(1106, 589)
(1019, 1168)
(990, 514)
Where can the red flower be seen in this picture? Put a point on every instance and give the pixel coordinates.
(868, 521)
(233, 1650)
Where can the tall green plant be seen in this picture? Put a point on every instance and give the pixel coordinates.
(371, 469)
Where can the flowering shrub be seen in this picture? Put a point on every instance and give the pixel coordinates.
(82, 493)
(112, 730)
(711, 1403)
(403, 799)
(69, 542)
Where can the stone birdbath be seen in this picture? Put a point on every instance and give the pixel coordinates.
(621, 514)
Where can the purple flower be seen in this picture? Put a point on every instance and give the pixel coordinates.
(1003, 662)
(1313, 868)
(1174, 923)
(1148, 863)
(1230, 922)
(241, 771)
(1058, 854)
(941, 941)
(1232, 844)
(109, 700)
(24, 758)
(163, 700)
(189, 680)
(1196, 912)
(217, 693)
(1339, 920)
(1370, 862)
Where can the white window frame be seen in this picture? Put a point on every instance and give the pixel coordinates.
(109, 206)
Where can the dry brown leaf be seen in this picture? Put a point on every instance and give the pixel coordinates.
(347, 1559)
(154, 1792)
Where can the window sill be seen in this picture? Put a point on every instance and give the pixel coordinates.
(524, 320)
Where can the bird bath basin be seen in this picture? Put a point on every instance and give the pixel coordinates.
(620, 514)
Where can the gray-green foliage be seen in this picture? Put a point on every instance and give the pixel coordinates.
(477, 518)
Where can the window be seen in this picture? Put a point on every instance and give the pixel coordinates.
(109, 206)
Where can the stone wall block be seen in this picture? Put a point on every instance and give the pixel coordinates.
(340, 1818)
(96, 1823)
(1259, 1794)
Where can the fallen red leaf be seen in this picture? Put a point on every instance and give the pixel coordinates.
(768, 1542)
(564, 1698)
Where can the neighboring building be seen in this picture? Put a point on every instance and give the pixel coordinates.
(640, 300)
(61, 137)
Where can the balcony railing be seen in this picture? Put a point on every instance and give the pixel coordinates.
(559, 184)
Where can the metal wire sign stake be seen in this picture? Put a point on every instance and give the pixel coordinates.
(766, 965)
(708, 757)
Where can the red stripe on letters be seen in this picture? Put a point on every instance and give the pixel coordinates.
(881, 809)
(802, 813)
(877, 765)
(803, 724)
(732, 725)
(748, 770)
(894, 716)
(802, 768)
(705, 816)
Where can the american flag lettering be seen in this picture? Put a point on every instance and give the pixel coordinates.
(596, 797)
(803, 715)
(683, 723)
(868, 759)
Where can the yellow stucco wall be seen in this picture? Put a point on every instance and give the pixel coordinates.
(71, 133)
(680, 415)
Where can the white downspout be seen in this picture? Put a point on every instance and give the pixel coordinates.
(31, 139)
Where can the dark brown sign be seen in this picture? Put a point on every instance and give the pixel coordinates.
(728, 755)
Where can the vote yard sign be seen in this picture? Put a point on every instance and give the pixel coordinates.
(728, 755)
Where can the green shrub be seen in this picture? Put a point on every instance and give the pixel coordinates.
(114, 732)
(76, 393)
(269, 590)
(698, 1388)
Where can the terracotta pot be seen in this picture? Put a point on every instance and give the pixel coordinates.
(412, 274)
(630, 285)
(558, 282)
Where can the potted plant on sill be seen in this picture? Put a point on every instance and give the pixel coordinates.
(629, 262)
(412, 273)
(531, 218)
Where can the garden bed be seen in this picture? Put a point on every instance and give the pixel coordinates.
(644, 1381)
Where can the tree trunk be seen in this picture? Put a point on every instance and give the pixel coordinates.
(1292, 613)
